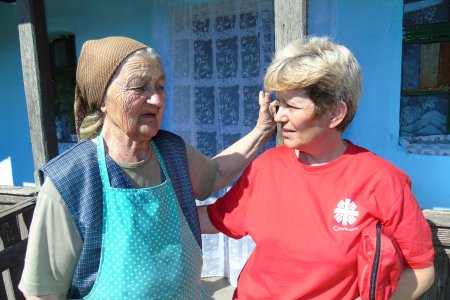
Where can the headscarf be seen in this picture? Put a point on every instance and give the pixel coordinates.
(98, 61)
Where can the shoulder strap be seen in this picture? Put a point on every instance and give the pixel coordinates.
(173, 150)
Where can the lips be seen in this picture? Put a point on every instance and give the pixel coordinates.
(148, 116)
(285, 130)
(152, 112)
(287, 133)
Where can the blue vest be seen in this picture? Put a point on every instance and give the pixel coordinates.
(76, 176)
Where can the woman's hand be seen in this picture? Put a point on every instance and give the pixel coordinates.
(265, 121)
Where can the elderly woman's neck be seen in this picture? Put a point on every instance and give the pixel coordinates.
(123, 148)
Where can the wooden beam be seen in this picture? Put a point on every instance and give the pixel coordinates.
(290, 21)
(36, 69)
(13, 256)
(290, 24)
(10, 195)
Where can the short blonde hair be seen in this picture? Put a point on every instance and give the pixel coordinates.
(326, 71)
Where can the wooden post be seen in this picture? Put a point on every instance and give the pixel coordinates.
(290, 24)
(36, 70)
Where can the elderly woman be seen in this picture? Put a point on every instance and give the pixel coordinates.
(116, 216)
(306, 203)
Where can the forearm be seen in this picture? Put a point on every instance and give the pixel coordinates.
(413, 283)
(205, 223)
(210, 175)
(233, 160)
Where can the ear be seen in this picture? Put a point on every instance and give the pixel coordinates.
(338, 114)
(103, 107)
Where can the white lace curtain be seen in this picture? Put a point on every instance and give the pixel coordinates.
(217, 52)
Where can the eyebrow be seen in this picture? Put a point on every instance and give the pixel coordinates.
(134, 77)
(280, 99)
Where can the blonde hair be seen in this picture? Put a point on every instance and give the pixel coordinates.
(326, 71)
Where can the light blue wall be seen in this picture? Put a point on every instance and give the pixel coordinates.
(372, 30)
(14, 130)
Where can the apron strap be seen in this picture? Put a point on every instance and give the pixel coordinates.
(102, 163)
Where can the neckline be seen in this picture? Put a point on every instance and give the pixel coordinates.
(101, 157)
(135, 165)
(324, 168)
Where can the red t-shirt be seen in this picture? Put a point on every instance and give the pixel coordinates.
(306, 222)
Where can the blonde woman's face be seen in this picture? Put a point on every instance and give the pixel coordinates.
(135, 99)
(302, 129)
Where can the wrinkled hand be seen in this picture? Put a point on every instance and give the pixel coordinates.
(266, 111)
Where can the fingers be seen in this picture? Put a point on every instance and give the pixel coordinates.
(273, 107)
(264, 98)
(266, 105)
(265, 122)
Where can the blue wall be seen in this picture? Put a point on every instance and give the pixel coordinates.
(371, 29)
(14, 130)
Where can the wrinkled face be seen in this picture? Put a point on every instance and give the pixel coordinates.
(302, 130)
(135, 98)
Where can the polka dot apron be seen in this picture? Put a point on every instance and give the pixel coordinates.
(148, 249)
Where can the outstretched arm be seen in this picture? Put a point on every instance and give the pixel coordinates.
(232, 161)
(210, 175)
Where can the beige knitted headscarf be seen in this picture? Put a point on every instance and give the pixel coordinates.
(98, 61)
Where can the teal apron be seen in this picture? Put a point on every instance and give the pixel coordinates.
(148, 249)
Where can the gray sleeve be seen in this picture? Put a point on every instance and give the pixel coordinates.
(203, 172)
(54, 246)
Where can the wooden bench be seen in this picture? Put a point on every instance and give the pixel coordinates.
(439, 221)
(15, 219)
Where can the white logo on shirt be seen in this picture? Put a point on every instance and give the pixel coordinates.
(346, 212)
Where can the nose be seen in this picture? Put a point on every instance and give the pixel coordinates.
(156, 100)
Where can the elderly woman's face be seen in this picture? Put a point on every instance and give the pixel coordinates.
(302, 130)
(135, 98)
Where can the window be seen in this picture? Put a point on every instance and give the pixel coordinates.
(424, 106)
(63, 66)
